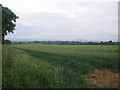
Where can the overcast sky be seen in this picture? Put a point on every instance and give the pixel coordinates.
(64, 19)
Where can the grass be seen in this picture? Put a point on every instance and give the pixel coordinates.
(55, 66)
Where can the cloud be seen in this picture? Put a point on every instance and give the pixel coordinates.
(24, 23)
(32, 6)
(65, 19)
(51, 6)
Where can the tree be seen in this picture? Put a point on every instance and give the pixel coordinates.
(8, 21)
(7, 42)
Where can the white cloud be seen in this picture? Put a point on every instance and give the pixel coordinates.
(24, 23)
(31, 6)
(66, 7)
(76, 19)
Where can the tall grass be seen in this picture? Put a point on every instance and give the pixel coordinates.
(59, 66)
(23, 71)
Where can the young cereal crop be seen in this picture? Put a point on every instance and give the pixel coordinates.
(55, 66)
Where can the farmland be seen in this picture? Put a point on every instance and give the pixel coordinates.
(56, 66)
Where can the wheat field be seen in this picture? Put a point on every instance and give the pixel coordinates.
(55, 66)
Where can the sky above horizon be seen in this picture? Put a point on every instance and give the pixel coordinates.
(64, 19)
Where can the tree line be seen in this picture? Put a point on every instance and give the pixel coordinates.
(70, 42)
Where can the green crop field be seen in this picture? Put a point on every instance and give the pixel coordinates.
(55, 66)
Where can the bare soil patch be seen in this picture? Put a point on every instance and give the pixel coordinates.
(104, 78)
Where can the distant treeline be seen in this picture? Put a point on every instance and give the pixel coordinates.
(71, 42)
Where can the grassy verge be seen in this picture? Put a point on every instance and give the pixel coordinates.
(23, 71)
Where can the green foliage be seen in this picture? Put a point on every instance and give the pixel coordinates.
(71, 42)
(59, 66)
(6, 41)
(23, 71)
(91, 77)
(8, 21)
